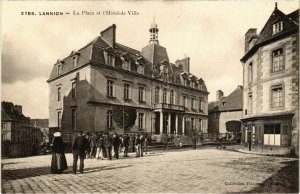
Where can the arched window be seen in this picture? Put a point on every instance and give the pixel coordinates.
(171, 97)
(165, 95)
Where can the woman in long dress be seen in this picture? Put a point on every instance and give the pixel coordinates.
(59, 162)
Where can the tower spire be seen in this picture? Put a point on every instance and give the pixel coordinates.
(153, 33)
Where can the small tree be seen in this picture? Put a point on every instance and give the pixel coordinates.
(124, 117)
(233, 126)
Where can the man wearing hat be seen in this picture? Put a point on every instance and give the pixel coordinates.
(79, 146)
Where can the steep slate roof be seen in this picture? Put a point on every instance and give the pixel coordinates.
(152, 53)
(290, 23)
(233, 101)
(9, 113)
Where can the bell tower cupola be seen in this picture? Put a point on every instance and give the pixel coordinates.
(153, 33)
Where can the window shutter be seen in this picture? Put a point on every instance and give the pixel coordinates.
(284, 135)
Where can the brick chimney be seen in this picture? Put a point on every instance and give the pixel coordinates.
(109, 35)
(250, 39)
(220, 95)
(185, 63)
(18, 108)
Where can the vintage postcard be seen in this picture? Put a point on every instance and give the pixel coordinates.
(150, 96)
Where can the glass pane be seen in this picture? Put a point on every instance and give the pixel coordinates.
(266, 139)
(277, 139)
(277, 128)
(266, 129)
(271, 139)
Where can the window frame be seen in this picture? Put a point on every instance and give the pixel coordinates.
(250, 103)
(272, 88)
(127, 91)
(156, 94)
(74, 89)
(110, 85)
(141, 121)
(58, 94)
(109, 122)
(164, 96)
(281, 68)
(74, 118)
(277, 27)
(141, 94)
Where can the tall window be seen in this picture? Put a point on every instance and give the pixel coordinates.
(277, 96)
(172, 97)
(200, 104)
(193, 123)
(110, 88)
(109, 119)
(192, 103)
(74, 89)
(110, 60)
(184, 101)
(141, 94)
(126, 91)
(277, 27)
(200, 124)
(59, 119)
(156, 98)
(277, 60)
(165, 95)
(58, 94)
(272, 134)
(73, 119)
(200, 86)
(250, 73)
(141, 120)
(126, 65)
(250, 102)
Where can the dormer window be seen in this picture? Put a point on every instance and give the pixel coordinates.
(59, 68)
(140, 69)
(277, 27)
(110, 60)
(75, 60)
(126, 65)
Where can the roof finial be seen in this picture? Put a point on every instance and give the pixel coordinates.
(275, 5)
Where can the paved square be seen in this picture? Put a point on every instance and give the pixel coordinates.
(201, 171)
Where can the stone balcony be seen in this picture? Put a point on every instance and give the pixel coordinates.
(166, 106)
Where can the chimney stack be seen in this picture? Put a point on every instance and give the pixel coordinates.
(220, 95)
(18, 108)
(250, 39)
(109, 35)
(185, 63)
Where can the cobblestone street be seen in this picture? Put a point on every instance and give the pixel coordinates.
(204, 170)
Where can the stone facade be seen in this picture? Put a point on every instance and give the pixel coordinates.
(270, 69)
(225, 109)
(98, 86)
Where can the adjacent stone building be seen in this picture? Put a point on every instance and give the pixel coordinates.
(106, 86)
(271, 83)
(225, 109)
(18, 137)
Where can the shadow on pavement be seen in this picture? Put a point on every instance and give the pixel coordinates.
(286, 180)
(103, 168)
(24, 173)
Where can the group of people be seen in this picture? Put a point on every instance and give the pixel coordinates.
(97, 146)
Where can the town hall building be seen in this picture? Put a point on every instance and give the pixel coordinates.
(106, 86)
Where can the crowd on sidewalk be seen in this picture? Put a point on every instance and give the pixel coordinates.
(96, 146)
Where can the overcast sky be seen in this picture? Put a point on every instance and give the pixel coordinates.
(210, 33)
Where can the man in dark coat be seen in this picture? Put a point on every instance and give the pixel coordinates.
(116, 143)
(108, 145)
(79, 147)
(93, 144)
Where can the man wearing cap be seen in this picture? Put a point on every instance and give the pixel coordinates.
(79, 146)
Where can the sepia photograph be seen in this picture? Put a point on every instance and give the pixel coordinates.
(149, 96)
